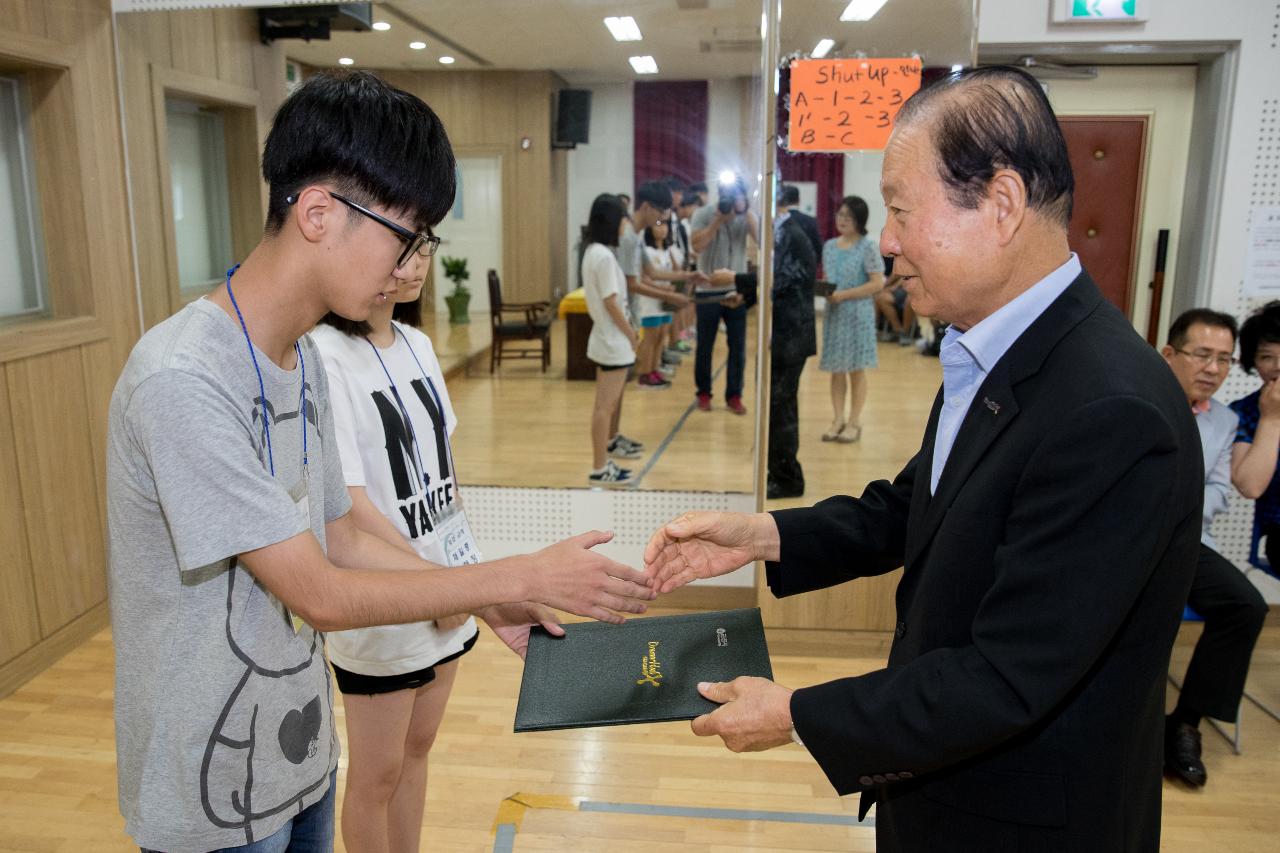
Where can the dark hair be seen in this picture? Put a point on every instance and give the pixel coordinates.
(1261, 327)
(648, 235)
(655, 193)
(1203, 316)
(380, 145)
(605, 219)
(409, 313)
(696, 187)
(858, 210)
(997, 117)
(788, 194)
(673, 183)
(624, 198)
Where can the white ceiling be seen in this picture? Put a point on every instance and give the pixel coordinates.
(690, 39)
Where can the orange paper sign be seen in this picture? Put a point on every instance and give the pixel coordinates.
(848, 104)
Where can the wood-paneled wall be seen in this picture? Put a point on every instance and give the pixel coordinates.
(212, 56)
(56, 373)
(489, 112)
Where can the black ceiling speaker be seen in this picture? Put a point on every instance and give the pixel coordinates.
(313, 22)
(572, 118)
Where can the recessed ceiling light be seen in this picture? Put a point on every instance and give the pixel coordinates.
(822, 48)
(623, 29)
(956, 69)
(447, 60)
(346, 60)
(381, 26)
(417, 45)
(644, 64)
(861, 10)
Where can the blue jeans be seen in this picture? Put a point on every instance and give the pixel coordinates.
(735, 325)
(311, 831)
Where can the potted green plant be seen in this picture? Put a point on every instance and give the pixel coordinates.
(455, 269)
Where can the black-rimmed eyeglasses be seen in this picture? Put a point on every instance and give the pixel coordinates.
(415, 242)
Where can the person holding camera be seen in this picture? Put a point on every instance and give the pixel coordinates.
(720, 239)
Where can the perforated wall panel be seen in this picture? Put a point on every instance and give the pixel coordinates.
(509, 521)
(1234, 528)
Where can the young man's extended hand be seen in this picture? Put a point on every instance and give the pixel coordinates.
(570, 576)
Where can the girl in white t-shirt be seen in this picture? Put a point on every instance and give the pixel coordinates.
(392, 417)
(612, 345)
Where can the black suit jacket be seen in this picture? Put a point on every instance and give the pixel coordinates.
(1022, 705)
(794, 335)
(810, 227)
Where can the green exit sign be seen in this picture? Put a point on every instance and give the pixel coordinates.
(1098, 11)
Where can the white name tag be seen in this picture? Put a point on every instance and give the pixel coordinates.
(455, 536)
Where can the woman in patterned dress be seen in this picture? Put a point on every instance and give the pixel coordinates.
(852, 262)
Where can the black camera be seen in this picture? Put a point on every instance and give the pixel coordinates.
(731, 192)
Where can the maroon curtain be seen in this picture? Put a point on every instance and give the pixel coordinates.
(826, 170)
(670, 120)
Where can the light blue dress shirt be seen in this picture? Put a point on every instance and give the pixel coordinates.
(1217, 433)
(967, 357)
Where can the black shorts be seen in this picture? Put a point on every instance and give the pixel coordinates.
(608, 367)
(371, 685)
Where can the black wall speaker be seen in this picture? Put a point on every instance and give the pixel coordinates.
(573, 118)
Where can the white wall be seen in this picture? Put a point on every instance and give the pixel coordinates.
(862, 178)
(605, 164)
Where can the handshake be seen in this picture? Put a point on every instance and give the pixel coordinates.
(572, 576)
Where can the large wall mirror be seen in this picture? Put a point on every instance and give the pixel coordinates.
(548, 105)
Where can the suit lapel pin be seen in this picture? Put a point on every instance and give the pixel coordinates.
(992, 405)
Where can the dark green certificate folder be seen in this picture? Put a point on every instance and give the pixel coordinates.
(645, 671)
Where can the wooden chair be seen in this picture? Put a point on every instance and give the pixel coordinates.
(534, 326)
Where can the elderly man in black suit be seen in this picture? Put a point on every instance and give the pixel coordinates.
(1049, 524)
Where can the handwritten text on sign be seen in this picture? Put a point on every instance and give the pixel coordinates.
(848, 104)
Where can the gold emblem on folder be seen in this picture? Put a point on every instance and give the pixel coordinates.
(650, 668)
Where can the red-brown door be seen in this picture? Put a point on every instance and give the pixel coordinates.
(1107, 159)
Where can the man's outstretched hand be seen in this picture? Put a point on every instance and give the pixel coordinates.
(707, 544)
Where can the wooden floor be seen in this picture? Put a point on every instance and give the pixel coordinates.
(521, 427)
(57, 768)
(57, 755)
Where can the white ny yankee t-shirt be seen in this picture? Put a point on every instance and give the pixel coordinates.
(406, 471)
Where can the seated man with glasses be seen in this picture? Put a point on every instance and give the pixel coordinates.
(1199, 350)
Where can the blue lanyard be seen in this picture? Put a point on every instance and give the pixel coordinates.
(262, 388)
(435, 395)
(404, 412)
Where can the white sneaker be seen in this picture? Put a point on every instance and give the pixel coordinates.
(610, 475)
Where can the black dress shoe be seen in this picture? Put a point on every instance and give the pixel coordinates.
(1182, 754)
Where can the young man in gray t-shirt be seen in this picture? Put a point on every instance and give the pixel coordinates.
(231, 542)
(719, 236)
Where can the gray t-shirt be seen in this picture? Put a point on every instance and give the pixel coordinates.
(631, 252)
(224, 724)
(728, 248)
